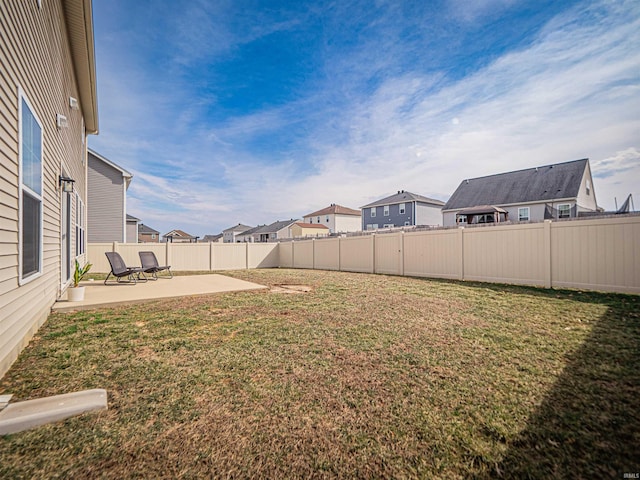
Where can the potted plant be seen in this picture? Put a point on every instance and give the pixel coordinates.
(76, 292)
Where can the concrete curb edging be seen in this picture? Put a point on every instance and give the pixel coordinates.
(20, 416)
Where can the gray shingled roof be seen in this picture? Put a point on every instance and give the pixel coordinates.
(237, 228)
(275, 226)
(146, 229)
(550, 182)
(403, 197)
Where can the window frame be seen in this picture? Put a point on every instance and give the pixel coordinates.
(402, 208)
(568, 210)
(520, 216)
(385, 212)
(80, 228)
(24, 189)
(373, 212)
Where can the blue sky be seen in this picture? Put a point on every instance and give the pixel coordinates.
(245, 111)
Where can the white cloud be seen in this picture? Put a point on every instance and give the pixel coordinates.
(572, 93)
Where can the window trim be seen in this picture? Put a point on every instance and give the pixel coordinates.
(373, 212)
(81, 243)
(385, 212)
(23, 100)
(402, 208)
(520, 219)
(568, 210)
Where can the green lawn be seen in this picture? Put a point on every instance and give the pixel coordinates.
(364, 376)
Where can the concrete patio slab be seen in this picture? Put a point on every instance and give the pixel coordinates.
(97, 294)
(20, 416)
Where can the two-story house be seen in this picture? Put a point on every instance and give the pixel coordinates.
(337, 218)
(401, 210)
(47, 108)
(107, 200)
(229, 235)
(560, 190)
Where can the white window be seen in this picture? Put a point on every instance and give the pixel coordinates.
(564, 210)
(388, 225)
(588, 187)
(386, 211)
(318, 220)
(523, 214)
(373, 212)
(80, 235)
(402, 208)
(372, 226)
(407, 223)
(153, 236)
(327, 219)
(30, 192)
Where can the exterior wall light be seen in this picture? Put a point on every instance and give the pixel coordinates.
(66, 183)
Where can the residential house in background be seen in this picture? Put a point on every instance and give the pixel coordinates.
(304, 230)
(337, 218)
(229, 235)
(402, 209)
(132, 229)
(178, 236)
(273, 232)
(560, 190)
(107, 200)
(48, 107)
(212, 238)
(146, 234)
(247, 235)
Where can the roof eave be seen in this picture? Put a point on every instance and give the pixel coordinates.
(79, 18)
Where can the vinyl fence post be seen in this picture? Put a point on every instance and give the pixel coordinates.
(210, 256)
(401, 251)
(167, 252)
(547, 254)
(373, 251)
(461, 253)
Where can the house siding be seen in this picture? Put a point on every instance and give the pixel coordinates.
(35, 59)
(346, 223)
(428, 214)
(106, 202)
(394, 218)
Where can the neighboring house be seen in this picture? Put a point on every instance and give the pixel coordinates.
(178, 236)
(132, 229)
(303, 230)
(561, 190)
(229, 235)
(337, 218)
(212, 238)
(107, 200)
(247, 235)
(147, 234)
(273, 232)
(47, 108)
(401, 210)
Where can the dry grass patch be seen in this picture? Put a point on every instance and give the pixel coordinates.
(361, 376)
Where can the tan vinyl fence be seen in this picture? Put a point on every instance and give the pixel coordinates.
(595, 254)
(189, 256)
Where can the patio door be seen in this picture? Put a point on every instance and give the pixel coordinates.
(65, 244)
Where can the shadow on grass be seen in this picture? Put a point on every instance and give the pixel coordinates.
(589, 425)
